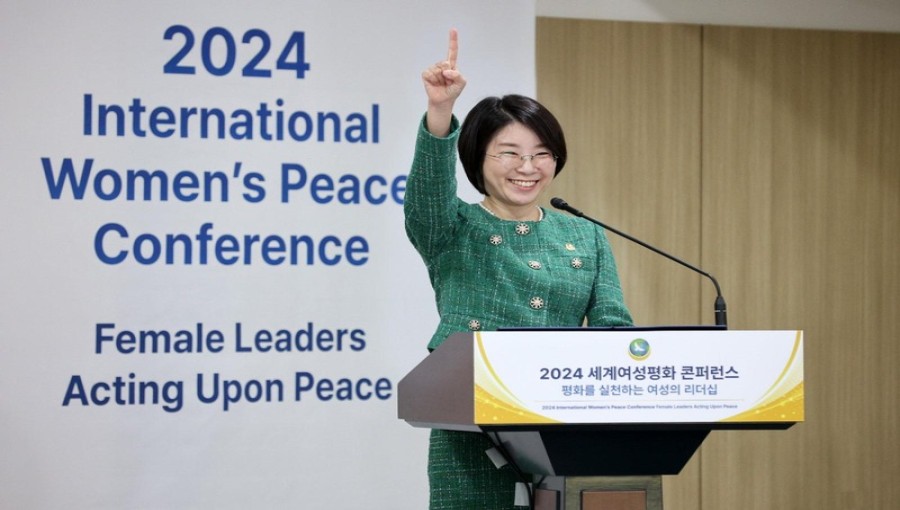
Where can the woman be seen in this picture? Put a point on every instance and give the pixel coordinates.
(503, 262)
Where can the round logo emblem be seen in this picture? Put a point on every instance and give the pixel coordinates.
(639, 349)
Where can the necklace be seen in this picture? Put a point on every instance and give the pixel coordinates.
(540, 211)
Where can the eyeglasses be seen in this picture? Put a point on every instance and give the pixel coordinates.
(512, 159)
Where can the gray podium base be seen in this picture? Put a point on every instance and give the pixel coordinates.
(599, 493)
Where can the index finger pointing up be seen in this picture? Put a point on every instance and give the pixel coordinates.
(454, 48)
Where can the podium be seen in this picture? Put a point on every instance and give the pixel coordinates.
(598, 416)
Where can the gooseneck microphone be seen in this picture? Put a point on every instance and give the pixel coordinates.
(720, 313)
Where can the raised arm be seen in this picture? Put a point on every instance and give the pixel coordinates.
(443, 84)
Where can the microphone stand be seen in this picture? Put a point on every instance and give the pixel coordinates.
(720, 308)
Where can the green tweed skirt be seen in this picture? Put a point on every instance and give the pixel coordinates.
(462, 477)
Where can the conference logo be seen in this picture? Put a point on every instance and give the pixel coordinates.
(639, 349)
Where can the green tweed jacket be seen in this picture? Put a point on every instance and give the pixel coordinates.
(489, 273)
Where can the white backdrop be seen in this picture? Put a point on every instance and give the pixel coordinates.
(91, 417)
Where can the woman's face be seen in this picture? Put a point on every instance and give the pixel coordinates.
(508, 179)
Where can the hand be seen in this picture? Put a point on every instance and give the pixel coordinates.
(443, 85)
(443, 82)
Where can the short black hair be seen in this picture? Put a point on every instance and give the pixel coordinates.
(492, 114)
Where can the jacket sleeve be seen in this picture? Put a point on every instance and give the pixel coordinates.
(430, 204)
(607, 306)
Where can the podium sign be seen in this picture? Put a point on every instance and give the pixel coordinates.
(606, 402)
(637, 376)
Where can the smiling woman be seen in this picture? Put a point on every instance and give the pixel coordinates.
(511, 149)
(513, 181)
(502, 262)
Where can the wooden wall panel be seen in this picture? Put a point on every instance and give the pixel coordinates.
(801, 177)
(628, 96)
(772, 157)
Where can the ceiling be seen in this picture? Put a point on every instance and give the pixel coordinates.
(865, 15)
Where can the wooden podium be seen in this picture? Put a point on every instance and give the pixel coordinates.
(596, 450)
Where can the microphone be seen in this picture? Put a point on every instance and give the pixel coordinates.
(720, 313)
